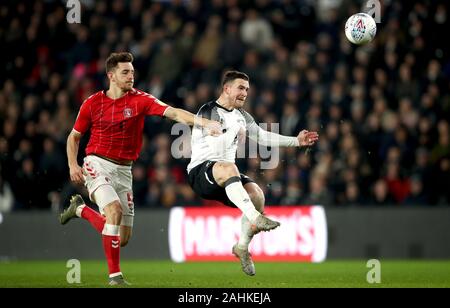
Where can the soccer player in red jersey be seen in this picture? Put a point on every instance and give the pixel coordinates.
(115, 119)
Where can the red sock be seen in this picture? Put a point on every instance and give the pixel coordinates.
(111, 246)
(94, 217)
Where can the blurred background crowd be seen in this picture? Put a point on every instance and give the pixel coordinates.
(382, 110)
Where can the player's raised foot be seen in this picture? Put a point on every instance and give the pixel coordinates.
(118, 281)
(71, 211)
(245, 257)
(263, 223)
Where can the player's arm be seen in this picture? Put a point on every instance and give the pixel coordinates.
(266, 138)
(82, 124)
(185, 117)
(156, 107)
(73, 144)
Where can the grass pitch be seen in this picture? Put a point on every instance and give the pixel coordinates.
(165, 274)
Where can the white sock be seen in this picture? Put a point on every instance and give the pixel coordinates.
(239, 196)
(79, 210)
(246, 233)
(110, 230)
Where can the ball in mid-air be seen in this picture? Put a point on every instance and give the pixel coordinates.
(360, 28)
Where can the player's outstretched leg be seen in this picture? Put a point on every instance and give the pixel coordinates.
(245, 257)
(248, 230)
(227, 175)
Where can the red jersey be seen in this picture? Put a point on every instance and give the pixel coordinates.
(117, 125)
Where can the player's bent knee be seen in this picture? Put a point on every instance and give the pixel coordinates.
(227, 168)
(108, 202)
(222, 171)
(232, 170)
(113, 211)
(114, 208)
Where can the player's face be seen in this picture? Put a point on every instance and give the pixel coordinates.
(123, 76)
(237, 92)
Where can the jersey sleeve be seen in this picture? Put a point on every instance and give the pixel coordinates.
(250, 125)
(264, 137)
(84, 119)
(209, 112)
(153, 106)
(249, 120)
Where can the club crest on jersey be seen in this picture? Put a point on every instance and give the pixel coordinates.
(127, 112)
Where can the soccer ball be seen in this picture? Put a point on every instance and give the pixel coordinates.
(360, 28)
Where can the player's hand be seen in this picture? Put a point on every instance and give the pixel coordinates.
(307, 138)
(213, 128)
(76, 174)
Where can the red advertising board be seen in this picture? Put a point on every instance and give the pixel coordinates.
(207, 234)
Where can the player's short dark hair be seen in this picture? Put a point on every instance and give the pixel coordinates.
(232, 75)
(115, 58)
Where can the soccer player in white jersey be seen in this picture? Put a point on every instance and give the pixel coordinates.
(212, 171)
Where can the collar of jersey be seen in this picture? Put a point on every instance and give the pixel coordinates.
(220, 106)
(133, 91)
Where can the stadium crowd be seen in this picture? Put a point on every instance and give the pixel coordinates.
(382, 110)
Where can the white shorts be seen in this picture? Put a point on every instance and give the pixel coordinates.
(107, 182)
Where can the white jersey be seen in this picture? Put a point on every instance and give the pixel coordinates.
(224, 147)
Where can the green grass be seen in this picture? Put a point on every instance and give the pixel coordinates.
(156, 274)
